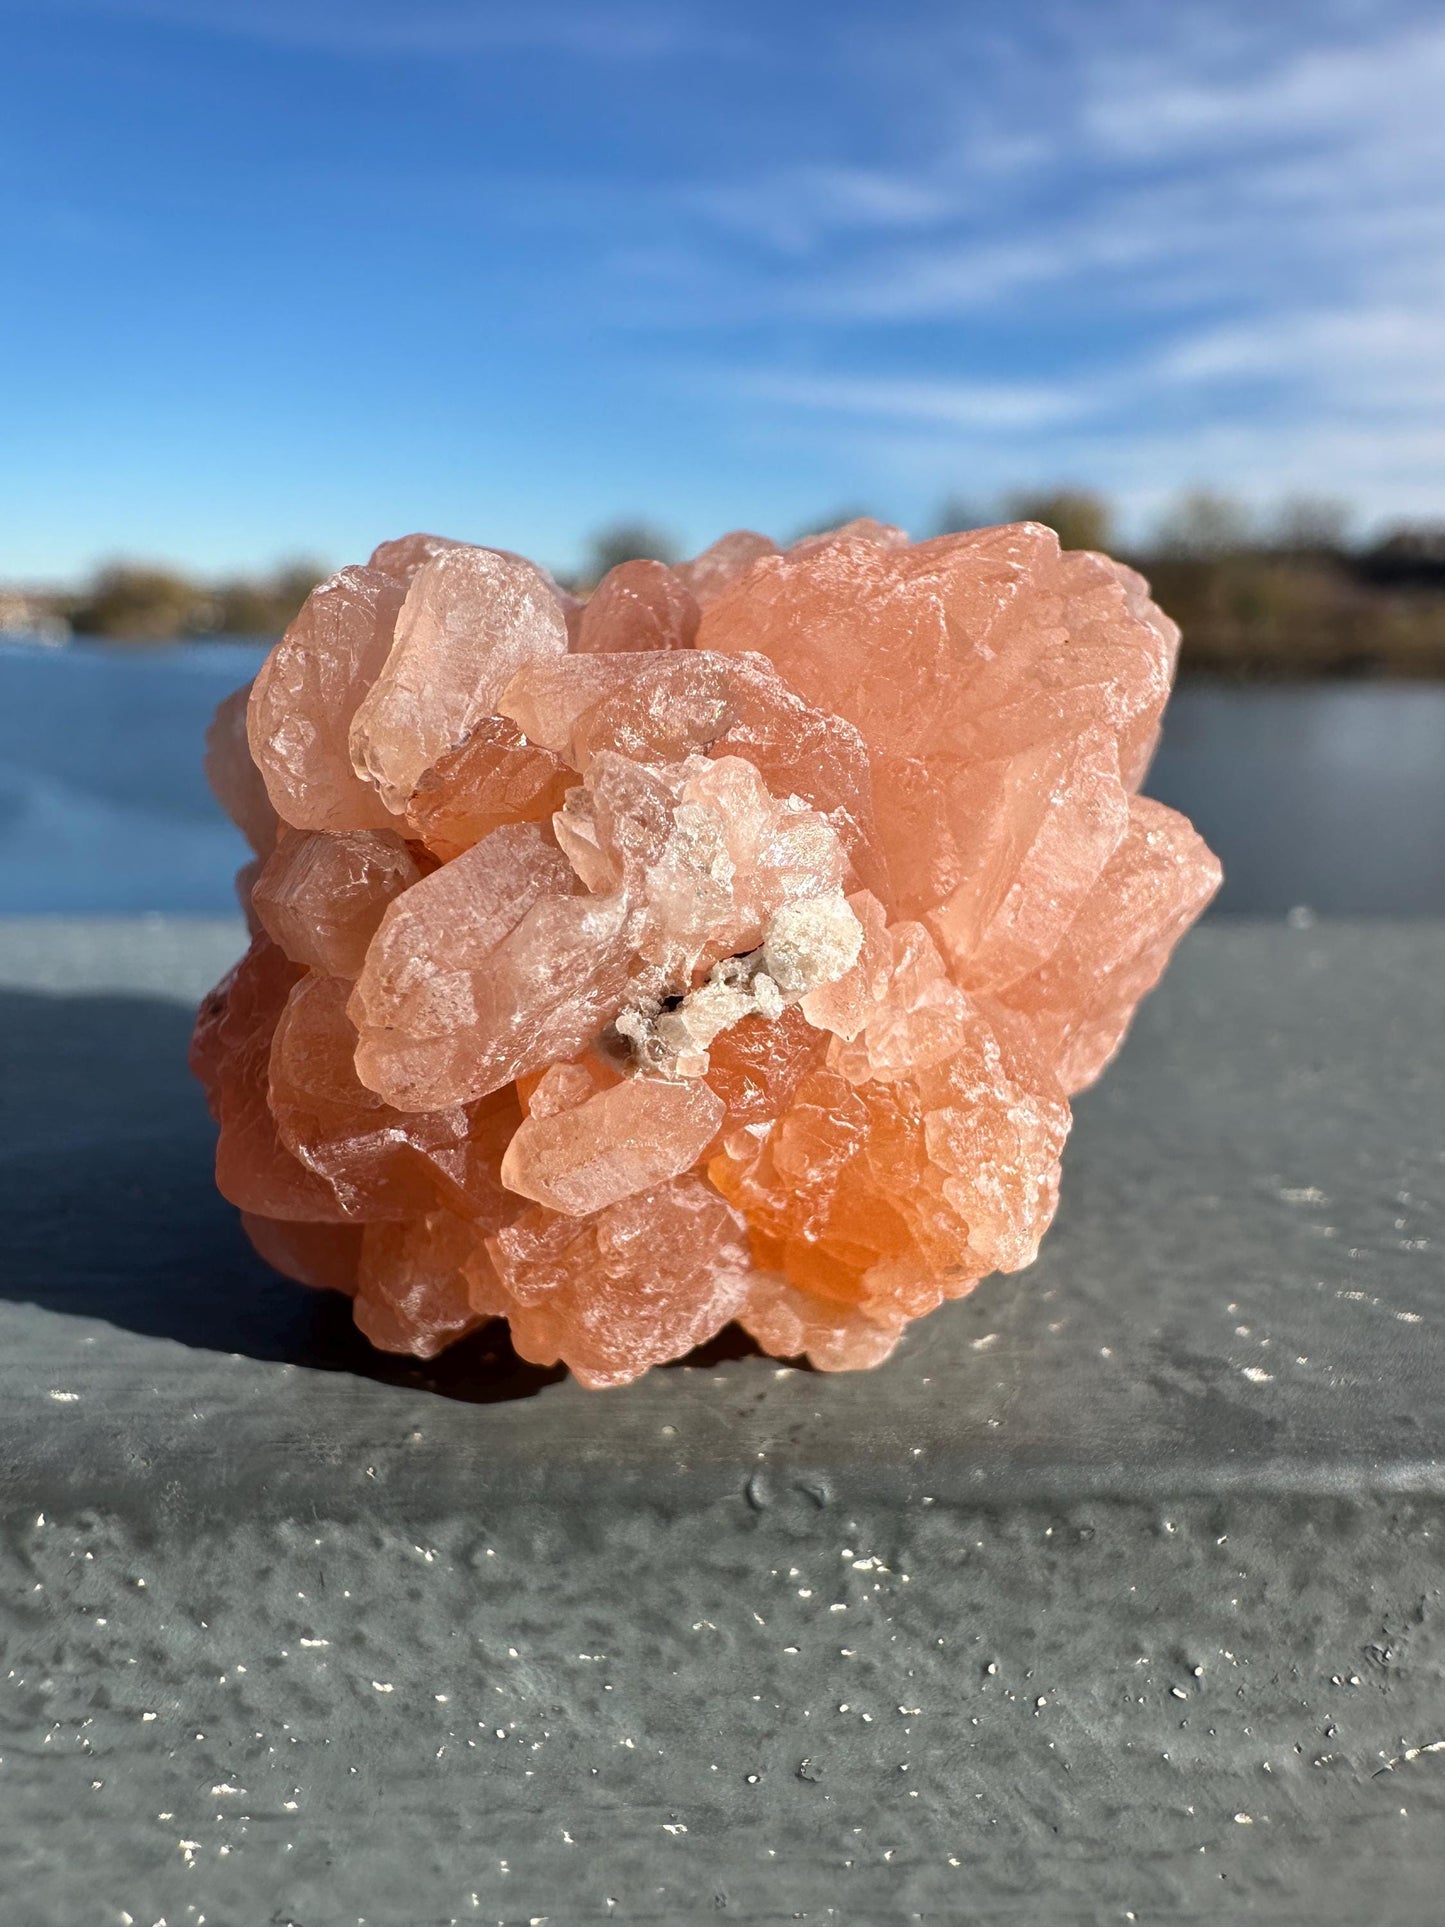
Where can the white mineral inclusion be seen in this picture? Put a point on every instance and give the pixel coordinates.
(809, 943)
(705, 860)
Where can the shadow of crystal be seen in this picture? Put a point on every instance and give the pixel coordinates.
(110, 1211)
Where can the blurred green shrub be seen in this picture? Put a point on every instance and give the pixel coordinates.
(624, 542)
(1293, 597)
(1080, 518)
(126, 603)
(129, 604)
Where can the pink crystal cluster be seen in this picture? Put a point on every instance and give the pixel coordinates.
(725, 946)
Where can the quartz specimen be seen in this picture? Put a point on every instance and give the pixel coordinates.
(725, 946)
(470, 619)
(321, 897)
(638, 605)
(299, 716)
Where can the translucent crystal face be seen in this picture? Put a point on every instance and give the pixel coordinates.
(725, 946)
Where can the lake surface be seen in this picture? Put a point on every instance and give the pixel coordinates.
(1329, 796)
(103, 806)
(1326, 796)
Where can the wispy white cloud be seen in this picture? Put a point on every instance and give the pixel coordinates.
(1227, 252)
(1332, 94)
(935, 245)
(796, 208)
(985, 405)
(1394, 472)
(1146, 165)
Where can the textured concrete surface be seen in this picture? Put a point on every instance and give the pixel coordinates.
(1116, 1595)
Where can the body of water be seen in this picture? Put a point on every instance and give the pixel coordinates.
(1329, 796)
(103, 805)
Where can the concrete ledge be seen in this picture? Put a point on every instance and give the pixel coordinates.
(1117, 1591)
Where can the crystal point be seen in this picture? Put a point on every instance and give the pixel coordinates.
(310, 686)
(642, 1281)
(638, 606)
(234, 778)
(470, 619)
(322, 897)
(638, 1134)
(494, 776)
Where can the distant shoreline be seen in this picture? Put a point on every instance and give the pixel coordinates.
(1286, 602)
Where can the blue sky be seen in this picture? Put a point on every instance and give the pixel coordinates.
(284, 276)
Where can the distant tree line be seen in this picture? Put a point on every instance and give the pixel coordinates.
(125, 602)
(1288, 594)
(1292, 593)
